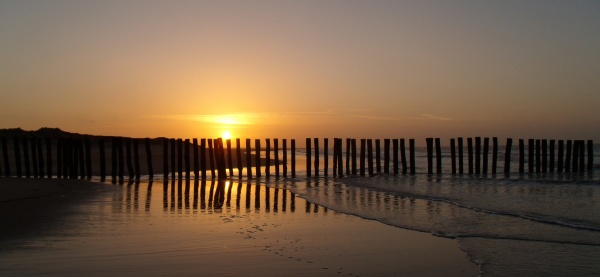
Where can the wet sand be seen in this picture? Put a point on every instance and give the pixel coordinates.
(202, 228)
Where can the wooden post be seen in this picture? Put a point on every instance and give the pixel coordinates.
(460, 156)
(81, 153)
(257, 157)
(34, 161)
(438, 156)
(354, 172)
(173, 158)
(316, 140)
(276, 154)
(180, 158)
(340, 159)
(486, 151)
(149, 158)
(348, 150)
(326, 156)
(477, 155)
(238, 154)
(26, 157)
(128, 157)
(575, 156)
(211, 156)
(203, 158)
(538, 155)
(363, 150)
(568, 156)
(386, 156)
(530, 149)
(121, 158)
(285, 158)
(370, 156)
(186, 158)
(88, 157)
(494, 154)
(165, 159)
(395, 156)
(521, 156)
(581, 156)
(470, 154)
(40, 159)
(453, 155)
(335, 154)
(378, 155)
(221, 159)
(308, 157)
(552, 157)
(114, 160)
(229, 157)
(561, 155)
(293, 152)
(59, 158)
(507, 155)
(544, 155)
(249, 158)
(429, 142)
(268, 158)
(6, 160)
(49, 157)
(136, 159)
(590, 153)
(413, 165)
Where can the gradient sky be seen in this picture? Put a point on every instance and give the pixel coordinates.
(296, 69)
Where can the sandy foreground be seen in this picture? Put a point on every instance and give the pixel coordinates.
(57, 227)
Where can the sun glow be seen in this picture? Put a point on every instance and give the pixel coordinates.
(226, 135)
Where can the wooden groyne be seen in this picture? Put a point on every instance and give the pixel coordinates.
(121, 158)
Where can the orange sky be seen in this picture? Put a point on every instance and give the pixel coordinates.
(302, 69)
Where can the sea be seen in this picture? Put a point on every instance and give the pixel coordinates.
(516, 224)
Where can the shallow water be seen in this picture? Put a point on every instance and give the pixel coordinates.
(222, 229)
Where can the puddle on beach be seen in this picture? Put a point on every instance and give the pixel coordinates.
(193, 227)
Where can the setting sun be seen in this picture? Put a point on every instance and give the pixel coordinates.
(226, 135)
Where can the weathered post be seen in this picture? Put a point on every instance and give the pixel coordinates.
(102, 159)
(34, 161)
(293, 152)
(114, 159)
(386, 156)
(149, 158)
(470, 154)
(285, 158)
(429, 142)
(136, 158)
(460, 156)
(378, 155)
(88, 157)
(477, 155)
(581, 156)
(485, 154)
(363, 150)
(395, 156)
(257, 157)
(575, 156)
(128, 157)
(370, 156)
(494, 154)
(538, 155)
(326, 156)
(348, 150)
(80, 152)
(229, 157)
(316, 140)
(308, 157)
(340, 159)
(561, 155)
(438, 155)
(249, 158)
(238, 155)
(453, 155)
(521, 156)
(568, 156)
(544, 155)
(552, 157)
(180, 158)
(335, 153)
(276, 154)
(211, 156)
(531, 148)
(268, 158)
(590, 153)
(173, 158)
(121, 158)
(354, 172)
(411, 143)
(203, 158)
(165, 159)
(59, 158)
(507, 155)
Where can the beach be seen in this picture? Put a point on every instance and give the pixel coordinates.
(190, 227)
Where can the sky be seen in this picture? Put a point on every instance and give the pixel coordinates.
(297, 69)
